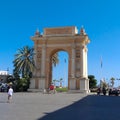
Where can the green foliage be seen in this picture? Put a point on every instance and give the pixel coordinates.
(64, 89)
(10, 79)
(112, 81)
(92, 81)
(16, 74)
(55, 59)
(61, 80)
(54, 82)
(22, 84)
(104, 85)
(24, 62)
(23, 66)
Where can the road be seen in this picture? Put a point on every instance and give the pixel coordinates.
(59, 106)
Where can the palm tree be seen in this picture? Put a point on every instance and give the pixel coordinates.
(112, 81)
(24, 62)
(55, 59)
(54, 82)
(61, 80)
(24, 65)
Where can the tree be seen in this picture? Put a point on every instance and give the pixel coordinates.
(112, 81)
(92, 81)
(24, 65)
(10, 78)
(24, 62)
(55, 59)
(103, 83)
(61, 80)
(54, 82)
(22, 84)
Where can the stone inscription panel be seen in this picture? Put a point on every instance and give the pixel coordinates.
(60, 31)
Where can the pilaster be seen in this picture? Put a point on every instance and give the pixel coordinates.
(73, 62)
(43, 60)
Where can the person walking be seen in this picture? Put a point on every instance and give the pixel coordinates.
(10, 93)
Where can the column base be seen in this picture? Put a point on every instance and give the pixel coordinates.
(37, 83)
(34, 90)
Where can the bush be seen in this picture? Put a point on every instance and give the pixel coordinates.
(64, 89)
(22, 85)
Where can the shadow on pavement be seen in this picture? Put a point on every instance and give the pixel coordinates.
(91, 107)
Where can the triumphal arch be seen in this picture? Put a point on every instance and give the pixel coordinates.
(56, 39)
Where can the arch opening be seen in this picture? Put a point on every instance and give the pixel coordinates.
(60, 70)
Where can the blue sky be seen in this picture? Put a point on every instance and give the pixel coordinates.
(100, 18)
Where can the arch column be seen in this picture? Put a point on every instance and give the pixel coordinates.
(34, 79)
(73, 63)
(43, 61)
(72, 85)
(84, 81)
(42, 67)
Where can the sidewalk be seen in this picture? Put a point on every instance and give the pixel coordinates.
(33, 106)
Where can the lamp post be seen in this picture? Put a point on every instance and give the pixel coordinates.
(8, 71)
(118, 80)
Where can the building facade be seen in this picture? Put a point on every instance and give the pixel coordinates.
(3, 76)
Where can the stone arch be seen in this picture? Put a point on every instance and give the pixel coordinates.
(58, 50)
(56, 39)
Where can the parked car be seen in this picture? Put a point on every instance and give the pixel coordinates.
(3, 87)
(114, 92)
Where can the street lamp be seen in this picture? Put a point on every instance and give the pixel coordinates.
(118, 80)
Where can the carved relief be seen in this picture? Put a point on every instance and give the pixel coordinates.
(84, 48)
(77, 52)
(38, 57)
(77, 75)
(38, 54)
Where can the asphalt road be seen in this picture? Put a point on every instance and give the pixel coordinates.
(59, 106)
